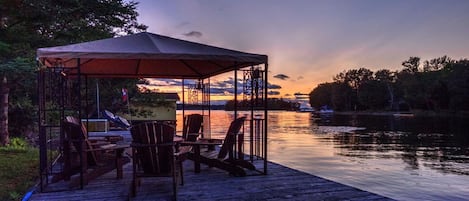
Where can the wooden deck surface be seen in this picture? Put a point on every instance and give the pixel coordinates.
(281, 183)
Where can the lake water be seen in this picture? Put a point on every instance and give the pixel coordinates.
(401, 158)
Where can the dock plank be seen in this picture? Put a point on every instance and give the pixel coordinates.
(281, 183)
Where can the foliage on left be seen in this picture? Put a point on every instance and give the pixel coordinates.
(18, 169)
(29, 24)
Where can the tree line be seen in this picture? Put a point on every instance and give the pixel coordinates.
(439, 84)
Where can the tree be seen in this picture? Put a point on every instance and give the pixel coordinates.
(48, 23)
(337, 95)
(342, 96)
(412, 88)
(17, 93)
(373, 95)
(411, 65)
(321, 95)
(4, 134)
(442, 85)
(387, 78)
(385, 75)
(29, 24)
(355, 78)
(458, 85)
(411, 82)
(111, 93)
(437, 63)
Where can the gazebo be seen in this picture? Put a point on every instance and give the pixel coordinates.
(64, 70)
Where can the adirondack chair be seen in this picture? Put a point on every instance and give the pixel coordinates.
(229, 157)
(191, 127)
(98, 156)
(156, 154)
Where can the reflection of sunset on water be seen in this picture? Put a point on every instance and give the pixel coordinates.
(396, 163)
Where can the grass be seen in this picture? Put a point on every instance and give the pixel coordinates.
(18, 170)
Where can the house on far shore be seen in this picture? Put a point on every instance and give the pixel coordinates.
(302, 101)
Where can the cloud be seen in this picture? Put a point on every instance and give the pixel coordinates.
(273, 93)
(162, 82)
(300, 77)
(300, 94)
(274, 86)
(281, 76)
(218, 91)
(221, 88)
(225, 87)
(196, 34)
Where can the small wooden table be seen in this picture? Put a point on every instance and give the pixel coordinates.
(119, 158)
(196, 145)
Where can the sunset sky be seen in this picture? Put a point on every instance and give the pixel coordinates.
(310, 41)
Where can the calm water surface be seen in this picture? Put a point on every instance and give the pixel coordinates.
(401, 158)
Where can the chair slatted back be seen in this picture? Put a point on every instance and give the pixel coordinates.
(155, 159)
(192, 124)
(76, 133)
(230, 138)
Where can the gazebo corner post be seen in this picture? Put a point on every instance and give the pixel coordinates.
(209, 105)
(42, 132)
(183, 100)
(251, 123)
(98, 101)
(82, 169)
(235, 105)
(266, 106)
(86, 103)
(235, 93)
(79, 87)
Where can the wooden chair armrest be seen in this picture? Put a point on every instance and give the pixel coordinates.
(203, 142)
(196, 134)
(220, 141)
(98, 143)
(92, 143)
(108, 148)
(139, 145)
(110, 138)
(189, 134)
(104, 135)
(95, 140)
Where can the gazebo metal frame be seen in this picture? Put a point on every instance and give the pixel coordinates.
(64, 72)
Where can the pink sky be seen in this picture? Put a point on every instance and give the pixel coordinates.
(310, 41)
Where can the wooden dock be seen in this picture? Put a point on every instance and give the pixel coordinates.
(281, 183)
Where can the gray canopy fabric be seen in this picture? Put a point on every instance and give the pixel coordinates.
(146, 55)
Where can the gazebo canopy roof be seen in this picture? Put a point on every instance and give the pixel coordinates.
(146, 55)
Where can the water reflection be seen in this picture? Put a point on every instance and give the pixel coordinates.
(437, 143)
(401, 158)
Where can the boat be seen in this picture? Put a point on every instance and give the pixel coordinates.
(305, 107)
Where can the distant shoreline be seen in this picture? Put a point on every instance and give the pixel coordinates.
(417, 113)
